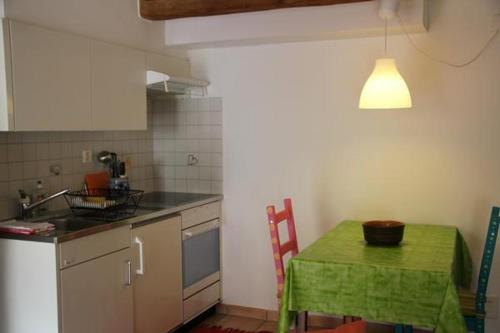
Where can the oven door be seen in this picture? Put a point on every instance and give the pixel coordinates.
(200, 257)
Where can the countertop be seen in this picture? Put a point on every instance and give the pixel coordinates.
(152, 206)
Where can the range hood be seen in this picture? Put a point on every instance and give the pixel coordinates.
(161, 84)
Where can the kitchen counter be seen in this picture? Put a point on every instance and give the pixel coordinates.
(152, 206)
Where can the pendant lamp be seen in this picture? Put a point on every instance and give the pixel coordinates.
(385, 88)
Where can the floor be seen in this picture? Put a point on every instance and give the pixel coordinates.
(256, 325)
(241, 323)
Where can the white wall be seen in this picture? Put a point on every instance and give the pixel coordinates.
(292, 128)
(109, 20)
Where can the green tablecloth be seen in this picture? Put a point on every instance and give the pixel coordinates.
(414, 283)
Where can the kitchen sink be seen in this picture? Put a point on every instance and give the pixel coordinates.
(73, 224)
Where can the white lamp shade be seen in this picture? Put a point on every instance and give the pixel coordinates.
(385, 88)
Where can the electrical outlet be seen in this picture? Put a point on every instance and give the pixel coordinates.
(86, 156)
(55, 169)
(193, 159)
(491, 306)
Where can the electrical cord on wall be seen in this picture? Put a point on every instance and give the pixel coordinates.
(460, 65)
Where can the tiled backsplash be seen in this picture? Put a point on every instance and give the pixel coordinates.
(176, 127)
(187, 126)
(27, 157)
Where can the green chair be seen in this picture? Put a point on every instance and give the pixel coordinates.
(473, 304)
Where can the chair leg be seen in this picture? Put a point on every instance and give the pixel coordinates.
(301, 322)
(306, 319)
(399, 328)
(479, 326)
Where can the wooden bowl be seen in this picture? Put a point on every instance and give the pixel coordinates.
(385, 233)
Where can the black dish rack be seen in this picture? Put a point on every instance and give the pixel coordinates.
(104, 204)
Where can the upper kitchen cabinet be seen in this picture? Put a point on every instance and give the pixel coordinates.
(118, 87)
(50, 79)
(57, 81)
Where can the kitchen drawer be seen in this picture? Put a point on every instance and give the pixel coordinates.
(200, 214)
(86, 248)
(201, 301)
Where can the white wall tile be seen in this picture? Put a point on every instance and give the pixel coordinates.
(55, 150)
(4, 172)
(16, 171)
(193, 172)
(215, 104)
(205, 173)
(196, 125)
(30, 169)
(3, 153)
(29, 152)
(15, 152)
(215, 118)
(193, 186)
(180, 185)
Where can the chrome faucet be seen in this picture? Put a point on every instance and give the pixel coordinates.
(26, 208)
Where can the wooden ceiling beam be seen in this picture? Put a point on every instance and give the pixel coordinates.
(172, 9)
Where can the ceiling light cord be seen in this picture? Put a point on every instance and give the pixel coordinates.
(385, 34)
(456, 65)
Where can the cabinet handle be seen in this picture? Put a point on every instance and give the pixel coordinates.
(138, 240)
(129, 277)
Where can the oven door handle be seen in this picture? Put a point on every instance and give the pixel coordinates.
(200, 229)
(139, 241)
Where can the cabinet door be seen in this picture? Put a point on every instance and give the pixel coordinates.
(158, 288)
(118, 87)
(96, 296)
(51, 79)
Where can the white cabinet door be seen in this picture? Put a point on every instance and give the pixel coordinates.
(158, 288)
(97, 296)
(118, 87)
(50, 79)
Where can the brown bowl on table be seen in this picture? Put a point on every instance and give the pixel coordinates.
(385, 233)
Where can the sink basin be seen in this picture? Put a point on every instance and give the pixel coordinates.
(73, 224)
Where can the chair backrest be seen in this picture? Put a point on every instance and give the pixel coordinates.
(279, 250)
(487, 260)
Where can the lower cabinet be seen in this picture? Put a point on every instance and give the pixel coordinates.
(97, 295)
(158, 276)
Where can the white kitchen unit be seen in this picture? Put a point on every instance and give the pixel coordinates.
(118, 87)
(79, 286)
(158, 277)
(96, 296)
(26, 306)
(51, 79)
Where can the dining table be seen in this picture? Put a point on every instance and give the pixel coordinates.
(414, 283)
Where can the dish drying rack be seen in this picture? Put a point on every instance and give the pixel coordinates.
(104, 203)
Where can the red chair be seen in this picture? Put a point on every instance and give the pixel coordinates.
(280, 250)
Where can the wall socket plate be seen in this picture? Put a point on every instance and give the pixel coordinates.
(86, 156)
(491, 306)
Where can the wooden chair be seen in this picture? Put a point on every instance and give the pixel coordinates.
(280, 250)
(473, 304)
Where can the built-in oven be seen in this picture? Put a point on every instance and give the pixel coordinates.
(200, 267)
